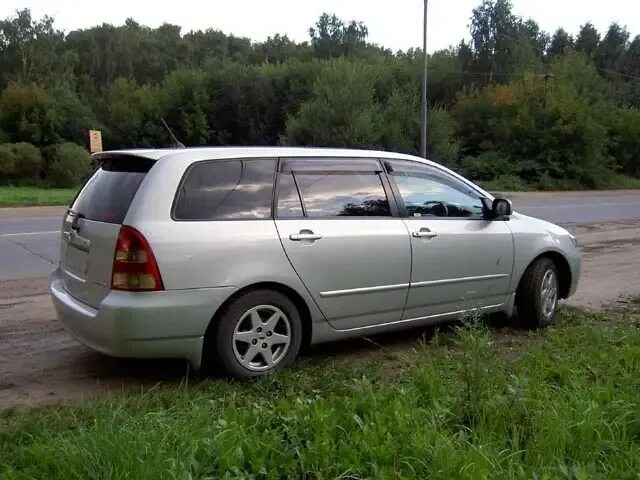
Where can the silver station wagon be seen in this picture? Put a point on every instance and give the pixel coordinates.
(235, 258)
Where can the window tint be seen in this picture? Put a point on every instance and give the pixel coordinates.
(108, 193)
(343, 195)
(288, 198)
(227, 190)
(427, 192)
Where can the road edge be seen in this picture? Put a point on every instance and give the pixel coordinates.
(32, 212)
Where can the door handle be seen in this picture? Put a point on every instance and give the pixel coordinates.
(299, 237)
(74, 222)
(424, 233)
(73, 238)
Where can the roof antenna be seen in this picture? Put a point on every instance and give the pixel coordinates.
(177, 143)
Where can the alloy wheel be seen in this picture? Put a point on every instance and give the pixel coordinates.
(261, 338)
(549, 293)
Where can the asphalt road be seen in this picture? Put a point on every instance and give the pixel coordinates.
(580, 207)
(29, 247)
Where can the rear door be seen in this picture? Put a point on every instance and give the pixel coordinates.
(92, 223)
(335, 218)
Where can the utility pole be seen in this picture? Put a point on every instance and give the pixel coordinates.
(547, 77)
(423, 119)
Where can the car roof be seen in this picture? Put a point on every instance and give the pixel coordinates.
(214, 153)
(218, 153)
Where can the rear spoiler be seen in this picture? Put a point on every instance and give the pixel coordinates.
(142, 153)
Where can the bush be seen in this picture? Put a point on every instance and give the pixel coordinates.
(27, 115)
(7, 163)
(28, 163)
(399, 128)
(505, 183)
(550, 132)
(443, 145)
(67, 163)
(624, 132)
(486, 166)
(342, 113)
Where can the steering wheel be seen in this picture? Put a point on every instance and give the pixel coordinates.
(438, 208)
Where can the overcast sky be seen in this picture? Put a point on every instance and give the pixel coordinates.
(395, 24)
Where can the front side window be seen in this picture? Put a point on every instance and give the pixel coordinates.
(336, 194)
(427, 192)
(227, 190)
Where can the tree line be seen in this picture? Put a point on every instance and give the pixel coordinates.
(511, 106)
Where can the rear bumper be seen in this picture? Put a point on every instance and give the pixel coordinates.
(168, 324)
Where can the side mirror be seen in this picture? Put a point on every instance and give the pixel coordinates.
(501, 207)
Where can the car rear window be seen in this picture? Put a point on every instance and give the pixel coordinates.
(227, 190)
(108, 193)
(354, 194)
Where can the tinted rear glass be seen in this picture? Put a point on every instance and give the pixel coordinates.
(107, 195)
(289, 205)
(343, 195)
(227, 190)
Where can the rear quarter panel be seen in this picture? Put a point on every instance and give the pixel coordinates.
(205, 254)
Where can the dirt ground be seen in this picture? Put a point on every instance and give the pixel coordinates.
(41, 363)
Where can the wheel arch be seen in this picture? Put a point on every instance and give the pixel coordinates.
(292, 294)
(561, 263)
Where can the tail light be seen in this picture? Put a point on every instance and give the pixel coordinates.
(134, 266)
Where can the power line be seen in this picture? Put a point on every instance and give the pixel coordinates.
(484, 74)
(613, 72)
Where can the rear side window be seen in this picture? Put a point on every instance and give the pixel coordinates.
(352, 194)
(289, 203)
(108, 193)
(227, 190)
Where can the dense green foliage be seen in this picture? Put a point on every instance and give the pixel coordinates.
(563, 403)
(57, 165)
(20, 162)
(66, 163)
(512, 103)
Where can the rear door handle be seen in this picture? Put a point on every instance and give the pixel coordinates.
(424, 233)
(74, 222)
(298, 237)
(81, 243)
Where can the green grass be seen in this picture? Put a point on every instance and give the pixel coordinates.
(32, 196)
(473, 403)
(623, 182)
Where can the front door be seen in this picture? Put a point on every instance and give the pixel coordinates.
(460, 260)
(335, 218)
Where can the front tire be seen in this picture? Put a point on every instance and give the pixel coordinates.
(258, 333)
(538, 293)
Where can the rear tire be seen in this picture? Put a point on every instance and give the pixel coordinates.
(537, 294)
(258, 333)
